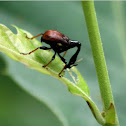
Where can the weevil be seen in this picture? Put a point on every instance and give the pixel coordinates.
(59, 43)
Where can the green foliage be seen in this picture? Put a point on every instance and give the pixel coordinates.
(66, 109)
(12, 45)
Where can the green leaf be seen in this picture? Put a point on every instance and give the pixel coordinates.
(13, 45)
(59, 15)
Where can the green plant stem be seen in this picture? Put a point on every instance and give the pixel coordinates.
(98, 55)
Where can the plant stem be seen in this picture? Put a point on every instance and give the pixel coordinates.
(98, 55)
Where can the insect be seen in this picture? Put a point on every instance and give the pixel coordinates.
(59, 43)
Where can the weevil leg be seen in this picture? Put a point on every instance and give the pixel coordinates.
(74, 57)
(34, 36)
(64, 54)
(64, 66)
(62, 70)
(29, 52)
(42, 47)
(62, 58)
(50, 60)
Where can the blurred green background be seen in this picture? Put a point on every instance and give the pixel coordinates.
(29, 98)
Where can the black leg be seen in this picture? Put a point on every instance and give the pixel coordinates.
(62, 58)
(50, 60)
(64, 66)
(74, 57)
(44, 48)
